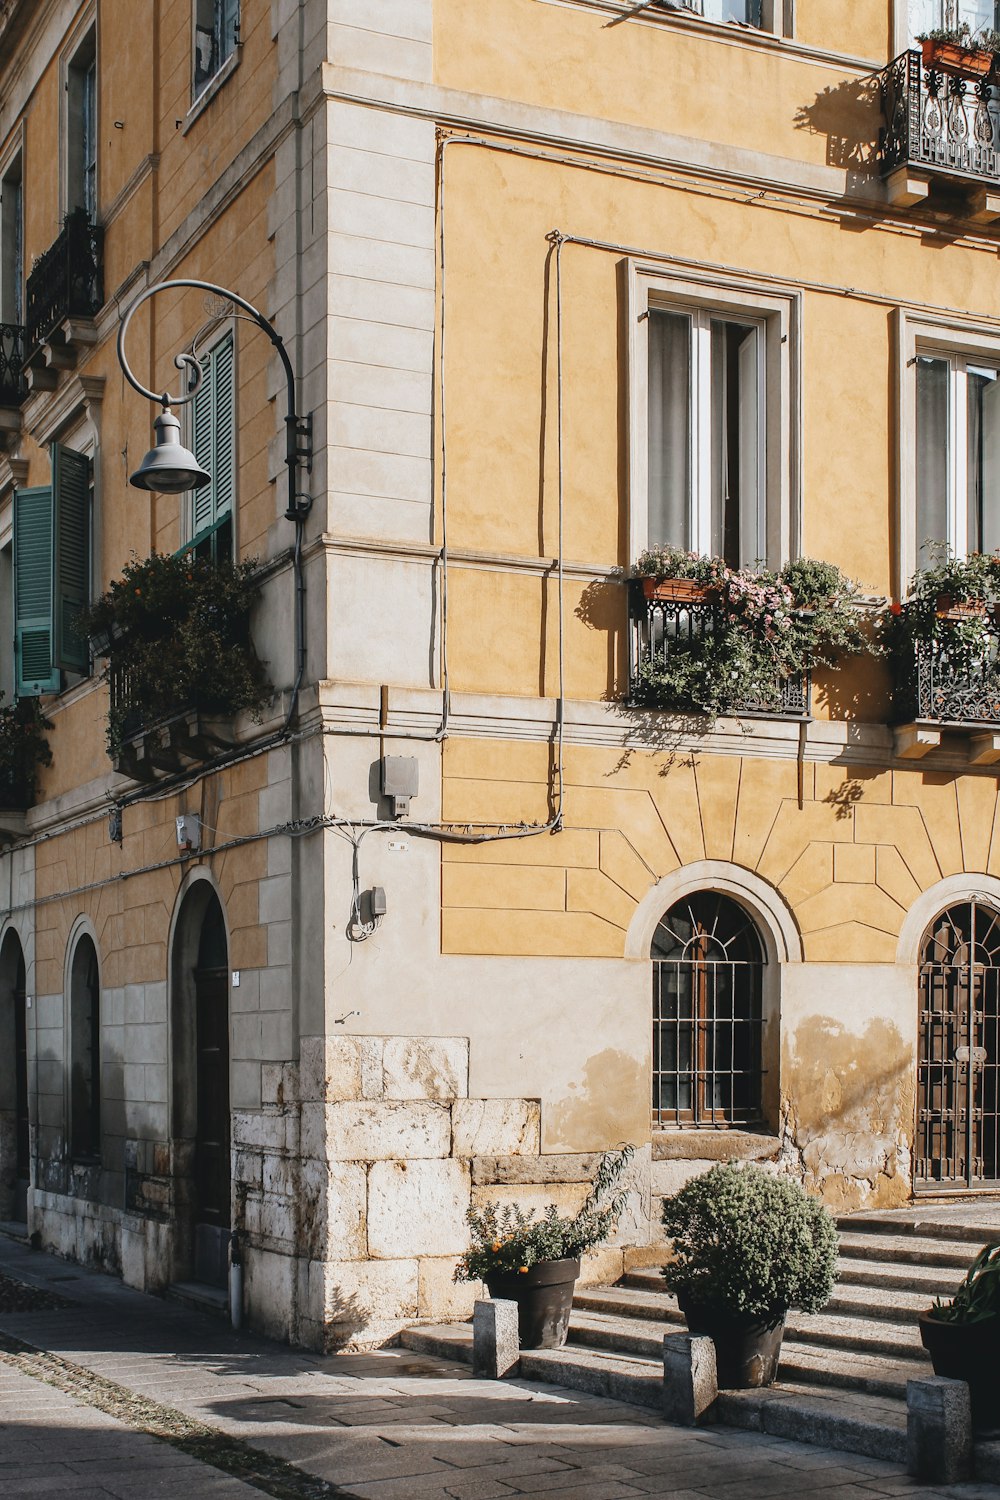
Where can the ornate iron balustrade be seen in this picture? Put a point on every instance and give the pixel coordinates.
(12, 387)
(950, 690)
(936, 120)
(67, 281)
(660, 628)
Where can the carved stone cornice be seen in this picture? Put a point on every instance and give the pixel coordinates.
(48, 414)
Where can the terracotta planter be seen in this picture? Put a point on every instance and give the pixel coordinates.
(949, 608)
(949, 57)
(969, 1352)
(677, 591)
(746, 1351)
(544, 1297)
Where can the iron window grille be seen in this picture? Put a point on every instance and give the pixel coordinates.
(708, 962)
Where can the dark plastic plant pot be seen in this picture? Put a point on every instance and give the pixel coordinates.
(746, 1351)
(544, 1297)
(969, 1352)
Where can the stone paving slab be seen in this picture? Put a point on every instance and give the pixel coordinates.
(390, 1425)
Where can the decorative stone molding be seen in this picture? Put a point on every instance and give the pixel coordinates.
(79, 398)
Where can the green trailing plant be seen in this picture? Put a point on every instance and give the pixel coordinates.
(950, 607)
(986, 39)
(176, 630)
(749, 1244)
(978, 1297)
(766, 627)
(24, 746)
(507, 1239)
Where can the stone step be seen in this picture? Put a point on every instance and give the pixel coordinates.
(907, 1250)
(867, 1424)
(869, 1335)
(885, 1304)
(199, 1295)
(929, 1281)
(803, 1363)
(925, 1225)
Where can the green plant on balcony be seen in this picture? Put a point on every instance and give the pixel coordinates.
(960, 49)
(176, 633)
(764, 627)
(24, 746)
(950, 611)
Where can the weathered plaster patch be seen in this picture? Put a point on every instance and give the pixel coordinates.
(611, 1103)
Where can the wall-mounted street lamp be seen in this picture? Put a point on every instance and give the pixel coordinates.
(170, 468)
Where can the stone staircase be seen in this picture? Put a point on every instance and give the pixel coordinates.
(843, 1373)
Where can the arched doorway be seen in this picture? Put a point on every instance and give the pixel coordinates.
(958, 1068)
(85, 1052)
(708, 965)
(15, 1150)
(201, 1085)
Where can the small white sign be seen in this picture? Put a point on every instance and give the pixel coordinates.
(398, 846)
(236, 979)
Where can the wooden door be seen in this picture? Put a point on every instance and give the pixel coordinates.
(212, 1164)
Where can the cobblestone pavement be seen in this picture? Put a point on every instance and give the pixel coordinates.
(106, 1392)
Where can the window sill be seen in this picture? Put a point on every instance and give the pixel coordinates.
(696, 1143)
(211, 88)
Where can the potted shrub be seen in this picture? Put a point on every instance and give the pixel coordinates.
(763, 628)
(959, 50)
(962, 1336)
(534, 1261)
(747, 1246)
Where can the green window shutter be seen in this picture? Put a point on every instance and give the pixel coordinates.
(224, 435)
(71, 487)
(35, 670)
(202, 509)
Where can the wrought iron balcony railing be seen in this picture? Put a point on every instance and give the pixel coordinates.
(952, 690)
(664, 627)
(67, 281)
(938, 121)
(12, 387)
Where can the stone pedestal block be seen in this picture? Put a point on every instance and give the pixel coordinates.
(938, 1430)
(495, 1349)
(689, 1379)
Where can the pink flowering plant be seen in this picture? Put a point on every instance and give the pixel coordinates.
(762, 628)
(951, 610)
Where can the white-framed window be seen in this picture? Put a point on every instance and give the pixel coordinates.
(928, 15)
(212, 425)
(949, 441)
(766, 15)
(12, 240)
(714, 411)
(80, 129)
(216, 37)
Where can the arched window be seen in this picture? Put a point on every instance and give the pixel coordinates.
(85, 1052)
(958, 1067)
(707, 1015)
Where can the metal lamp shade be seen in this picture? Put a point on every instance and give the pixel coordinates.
(169, 467)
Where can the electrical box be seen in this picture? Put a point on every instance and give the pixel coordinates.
(400, 781)
(189, 832)
(376, 901)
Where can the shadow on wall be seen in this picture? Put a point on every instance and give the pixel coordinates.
(849, 115)
(849, 1101)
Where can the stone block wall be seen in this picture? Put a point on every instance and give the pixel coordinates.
(359, 1172)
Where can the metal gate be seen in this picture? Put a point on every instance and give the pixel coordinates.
(958, 1123)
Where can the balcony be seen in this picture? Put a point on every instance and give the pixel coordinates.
(148, 751)
(676, 625)
(949, 690)
(940, 127)
(12, 385)
(64, 291)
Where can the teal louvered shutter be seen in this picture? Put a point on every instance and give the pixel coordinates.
(71, 487)
(223, 391)
(214, 438)
(202, 508)
(35, 670)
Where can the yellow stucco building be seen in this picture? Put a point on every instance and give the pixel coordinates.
(559, 281)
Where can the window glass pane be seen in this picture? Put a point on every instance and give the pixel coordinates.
(978, 13)
(932, 455)
(735, 443)
(983, 459)
(925, 15)
(747, 11)
(669, 429)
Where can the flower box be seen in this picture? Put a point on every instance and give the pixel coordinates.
(950, 57)
(677, 591)
(947, 607)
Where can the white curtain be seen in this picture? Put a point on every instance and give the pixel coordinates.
(984, 460)
(669, 429)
